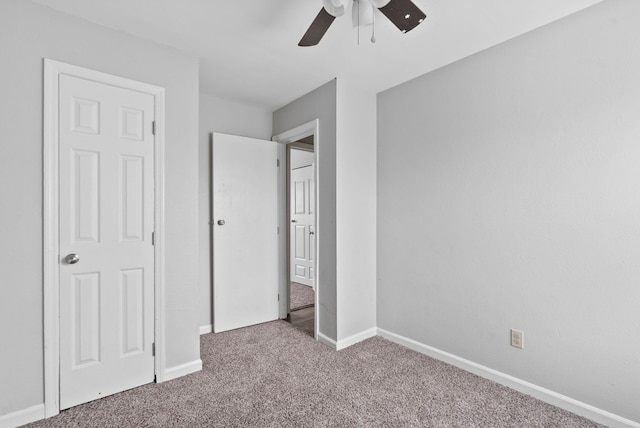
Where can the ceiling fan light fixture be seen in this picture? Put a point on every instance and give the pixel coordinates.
(334, 7)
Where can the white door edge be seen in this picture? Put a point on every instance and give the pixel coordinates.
(287, 137)
(51, 286)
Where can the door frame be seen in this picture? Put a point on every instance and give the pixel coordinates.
(285, 138)
(51, 258)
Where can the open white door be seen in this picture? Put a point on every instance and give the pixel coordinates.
(245, 232)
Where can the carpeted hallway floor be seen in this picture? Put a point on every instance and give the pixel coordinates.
(301, 296)
(273, 375)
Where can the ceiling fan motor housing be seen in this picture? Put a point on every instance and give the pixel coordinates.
(379, 3)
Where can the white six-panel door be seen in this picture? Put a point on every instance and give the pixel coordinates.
(245, 234)
(106, 199)
(302, 232)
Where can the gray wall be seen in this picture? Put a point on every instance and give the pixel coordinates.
(320, 104)
(508, 197)
(228, 117)
(29, 33)
(355, 212)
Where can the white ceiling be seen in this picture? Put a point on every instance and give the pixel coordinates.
(248, 48)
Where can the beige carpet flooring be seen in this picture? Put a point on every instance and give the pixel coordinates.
(273, 375)
(301, 296)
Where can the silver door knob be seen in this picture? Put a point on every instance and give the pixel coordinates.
(294, 221)
(72, 259)
(220, 222)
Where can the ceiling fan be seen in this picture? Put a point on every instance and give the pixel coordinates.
(403, 13)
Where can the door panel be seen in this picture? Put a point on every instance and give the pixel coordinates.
(106, 218)
(132, 199)
(298, 197)
(132, 321)
(86, 321)
(302, 232)
(245, 234)
(85, 218)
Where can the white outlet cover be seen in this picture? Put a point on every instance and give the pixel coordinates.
(517, 339)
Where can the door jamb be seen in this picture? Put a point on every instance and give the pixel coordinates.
(51, 258)
(287, 137)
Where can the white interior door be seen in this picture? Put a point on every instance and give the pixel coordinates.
(106, 200)
(302, 231)
(245, 232)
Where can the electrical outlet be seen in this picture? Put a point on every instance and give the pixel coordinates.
(517, 339)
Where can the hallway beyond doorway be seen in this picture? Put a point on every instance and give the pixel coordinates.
(303, 319)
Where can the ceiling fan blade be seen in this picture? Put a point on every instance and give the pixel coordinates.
(404, 14)
(317, 29)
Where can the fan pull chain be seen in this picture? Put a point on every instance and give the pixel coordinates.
(373, 24)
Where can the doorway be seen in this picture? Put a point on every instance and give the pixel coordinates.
(301, 199)
(302, 138)
(103, 232)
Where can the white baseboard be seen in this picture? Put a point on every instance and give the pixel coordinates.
(562, 401)
(21, 417)
(182, 370)
(327, 341)
(358, 337)
(36, 413)
(206, 329)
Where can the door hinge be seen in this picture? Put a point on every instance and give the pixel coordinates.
(153, 349)
(153, 238)
(278, 230)
(278, 297)
(153, 127)
(278, 163)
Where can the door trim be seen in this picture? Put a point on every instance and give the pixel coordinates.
(51, 266)
(288, 137)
